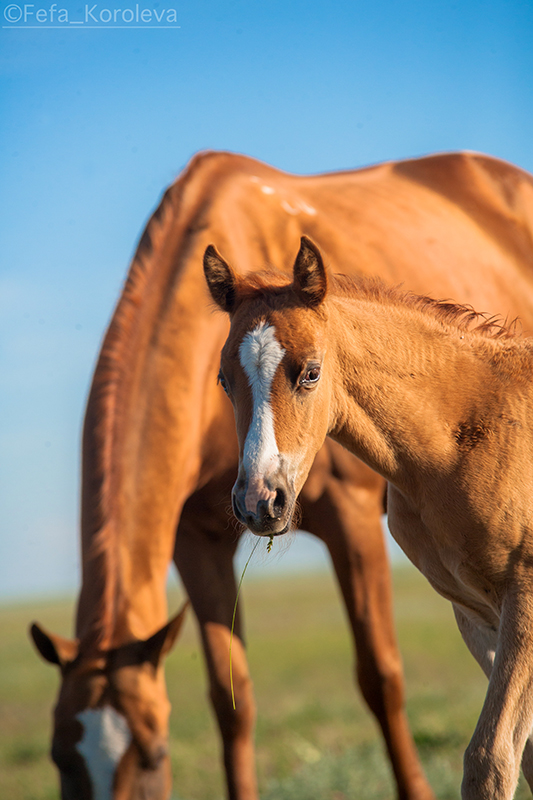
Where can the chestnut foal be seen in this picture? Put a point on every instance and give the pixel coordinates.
(439, 401)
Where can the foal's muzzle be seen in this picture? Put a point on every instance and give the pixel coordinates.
(269, 516)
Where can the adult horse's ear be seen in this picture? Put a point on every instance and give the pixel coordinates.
(161, 643)
(310, 278)
(53, 648)
(220, 279)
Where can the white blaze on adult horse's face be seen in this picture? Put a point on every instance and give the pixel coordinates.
(260, 356)
(111, 717)
(106, 737)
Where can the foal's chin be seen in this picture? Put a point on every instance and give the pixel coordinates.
(276, 529)
(265, 525)
(270, 527)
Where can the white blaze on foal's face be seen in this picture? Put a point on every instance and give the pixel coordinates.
(260, 355)
(106, 737)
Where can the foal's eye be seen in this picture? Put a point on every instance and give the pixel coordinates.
(310, 376)
(221, 379)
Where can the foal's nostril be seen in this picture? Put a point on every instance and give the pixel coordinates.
(237, 510)
(279, 503)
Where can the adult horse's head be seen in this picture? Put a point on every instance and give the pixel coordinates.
(110, 737)
(274, 369)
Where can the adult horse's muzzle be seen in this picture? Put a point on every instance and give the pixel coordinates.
(265, 506)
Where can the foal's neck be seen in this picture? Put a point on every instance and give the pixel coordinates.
(407, 385)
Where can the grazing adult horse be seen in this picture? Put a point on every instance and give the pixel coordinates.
(160, 453)
(436, 399)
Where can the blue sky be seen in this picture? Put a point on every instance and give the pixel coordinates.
(96, 122)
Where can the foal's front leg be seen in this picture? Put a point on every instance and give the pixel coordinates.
(493, 757)
(481, 640)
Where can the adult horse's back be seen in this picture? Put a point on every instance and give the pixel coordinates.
(160, 451)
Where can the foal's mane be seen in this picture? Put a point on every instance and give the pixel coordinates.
(273, 289)
(461, 316)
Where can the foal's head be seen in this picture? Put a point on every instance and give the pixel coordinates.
(110, 737)
(274, 369)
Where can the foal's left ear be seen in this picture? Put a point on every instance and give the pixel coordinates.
(310, 279)
(220, 279)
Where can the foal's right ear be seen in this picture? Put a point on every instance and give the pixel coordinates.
(309, 274)
(220, 279)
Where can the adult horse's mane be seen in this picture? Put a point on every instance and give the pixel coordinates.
(102, 432)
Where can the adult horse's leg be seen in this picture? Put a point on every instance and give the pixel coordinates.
(347, 516)
(205, 546)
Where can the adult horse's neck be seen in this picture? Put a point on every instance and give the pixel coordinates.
(154, 398)
(145, 417)
(409, 388)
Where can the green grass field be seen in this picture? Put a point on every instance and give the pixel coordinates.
(315, 739)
